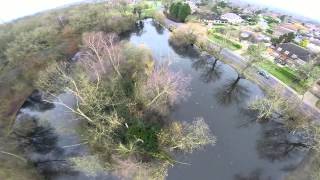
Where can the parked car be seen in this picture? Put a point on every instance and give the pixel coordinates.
(263, 73)
(279, 61)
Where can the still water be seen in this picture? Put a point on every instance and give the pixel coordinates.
(245, 149)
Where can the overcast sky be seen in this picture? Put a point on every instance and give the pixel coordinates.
(307, 8)
(12, 9)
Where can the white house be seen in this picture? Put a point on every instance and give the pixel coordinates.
(192, 5)
(232, 18)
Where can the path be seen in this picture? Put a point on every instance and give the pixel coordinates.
(237, 60)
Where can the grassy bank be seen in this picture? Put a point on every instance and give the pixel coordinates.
(284, 74)
(29, 44)
(224, 41)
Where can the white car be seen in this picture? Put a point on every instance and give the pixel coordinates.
(263, 73)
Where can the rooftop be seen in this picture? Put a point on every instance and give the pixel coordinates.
(294, 49)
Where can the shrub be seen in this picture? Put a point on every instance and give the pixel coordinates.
(183, 37)
(187, 35)
(184, 11)
(318, 104)
(232, 43)
(174, 9)
(159, 17)
(180, 11)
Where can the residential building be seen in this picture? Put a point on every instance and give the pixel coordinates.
(232, 18)
(292, 54)
(283, 29)
(192, 5)
(254, 37)
(286, 28)
(273, 15)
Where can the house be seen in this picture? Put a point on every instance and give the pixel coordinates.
(273, 15)
(219, 21)
(292, 54)
(281, 30)
(286, 28)
(133, 1)
(195, 1)
(311, 27)
(315, 41)
(192, 5)
(248, 11)
(209, 18)
(232, 18)
(210, 23)
(254, 37)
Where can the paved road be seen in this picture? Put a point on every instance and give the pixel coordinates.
(172, 24)
(240, 61)
(273, 82)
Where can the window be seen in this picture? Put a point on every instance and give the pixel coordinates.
(294, 56)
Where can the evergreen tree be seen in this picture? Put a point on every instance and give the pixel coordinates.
(174, 9)
(184, 11)
(180, 11)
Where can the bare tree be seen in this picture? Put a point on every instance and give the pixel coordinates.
(270, 107)
(102, 50)
(187, 137)
(165, 87)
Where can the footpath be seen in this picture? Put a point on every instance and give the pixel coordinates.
(237, 61)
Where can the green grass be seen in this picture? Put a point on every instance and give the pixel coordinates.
(149, 8)
(284, 74)
(318, 104)
(153, 7)
(148, 13)
(225, 42)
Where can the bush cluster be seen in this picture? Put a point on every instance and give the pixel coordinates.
(180, 11)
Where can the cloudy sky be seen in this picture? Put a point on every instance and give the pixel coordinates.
(12, 9)
(307, 8)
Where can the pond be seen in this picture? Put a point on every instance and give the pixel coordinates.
(245, 149)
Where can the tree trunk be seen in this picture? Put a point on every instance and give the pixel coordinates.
(214, 64)
(236, 81)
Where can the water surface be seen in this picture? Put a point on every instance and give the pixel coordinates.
(245, 149)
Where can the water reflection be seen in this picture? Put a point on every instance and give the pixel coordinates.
(232, 92)
(139, 28)
(235, 145)
(33, 136)
(257, 144)
(186, 52)
(39, 142)
(159, 28)
(50, 138)
(257, 174)
(277, 143)
(36, 103)
(209, 67)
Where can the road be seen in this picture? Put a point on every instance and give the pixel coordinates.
(272, 82)
(237, 60)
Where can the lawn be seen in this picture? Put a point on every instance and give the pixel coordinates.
(223, 41)
(148, 8)
(153, 6)
(285, 74)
